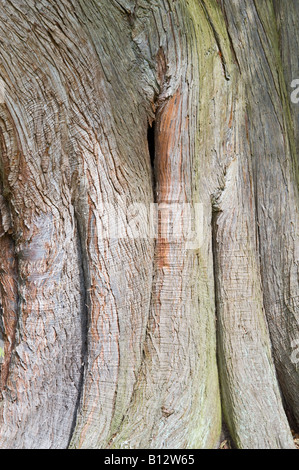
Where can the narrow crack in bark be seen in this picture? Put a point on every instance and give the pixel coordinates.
(151, 148)
(84, 323)
(230, 38)
(151, 139)
(215, 213)
(218, 42)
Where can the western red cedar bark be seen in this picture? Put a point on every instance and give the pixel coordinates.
(113, 342)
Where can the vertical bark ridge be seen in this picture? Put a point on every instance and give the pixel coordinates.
(84, 323)
(176, 397)
(41, 391)
(274, 164)
(9, 302)
(223, 141)
(288, 40)
(248, 380)
(114, 170)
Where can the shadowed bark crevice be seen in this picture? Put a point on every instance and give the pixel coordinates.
(225, 431)
(152, 153)
(84, 319)
(215, 213)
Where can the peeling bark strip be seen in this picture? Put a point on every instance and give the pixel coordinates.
(135, 342)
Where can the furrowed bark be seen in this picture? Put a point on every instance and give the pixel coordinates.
(115, 339)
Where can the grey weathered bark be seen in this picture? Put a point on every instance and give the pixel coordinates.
(135, 342)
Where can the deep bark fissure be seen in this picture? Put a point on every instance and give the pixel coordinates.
(218, 42)
(215, 214)
(151, 139)
(84, 321)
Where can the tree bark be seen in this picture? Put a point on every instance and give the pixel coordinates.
(148, 342)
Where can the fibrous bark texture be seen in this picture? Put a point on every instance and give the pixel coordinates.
(118, 340)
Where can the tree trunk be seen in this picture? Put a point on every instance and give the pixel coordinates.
(115, 337)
